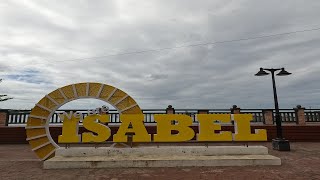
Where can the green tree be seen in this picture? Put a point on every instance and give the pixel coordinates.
(4, 97)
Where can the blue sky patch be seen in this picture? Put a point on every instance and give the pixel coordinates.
(29, 76)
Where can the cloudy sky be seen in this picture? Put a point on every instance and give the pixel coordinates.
(48, 44)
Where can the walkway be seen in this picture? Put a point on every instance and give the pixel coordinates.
(303, 162)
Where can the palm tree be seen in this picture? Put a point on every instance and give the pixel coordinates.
(4, 97)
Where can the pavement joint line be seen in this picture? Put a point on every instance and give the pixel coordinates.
(20, 160)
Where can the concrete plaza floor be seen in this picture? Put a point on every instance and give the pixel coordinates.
(302, 162)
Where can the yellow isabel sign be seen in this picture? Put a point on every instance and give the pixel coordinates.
(207, 128)
(39, 137)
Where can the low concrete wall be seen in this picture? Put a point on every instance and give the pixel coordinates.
(17, 135)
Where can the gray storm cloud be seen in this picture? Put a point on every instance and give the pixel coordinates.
(112, 42)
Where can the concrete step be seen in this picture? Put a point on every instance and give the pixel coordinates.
(121, 161)
(164, 156)
(162, 151)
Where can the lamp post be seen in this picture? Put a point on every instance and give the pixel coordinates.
(279, 143)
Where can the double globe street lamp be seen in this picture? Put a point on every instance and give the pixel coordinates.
(279, 143)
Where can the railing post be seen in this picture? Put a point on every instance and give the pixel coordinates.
(268, 116)
(203, 111)
(300, 116)
(4, 117)
(235, 109)
(170, 110)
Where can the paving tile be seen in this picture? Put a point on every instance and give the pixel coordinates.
(303, 162)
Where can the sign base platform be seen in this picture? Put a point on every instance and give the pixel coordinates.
(171, 156)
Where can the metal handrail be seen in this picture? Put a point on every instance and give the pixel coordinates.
(288, 115)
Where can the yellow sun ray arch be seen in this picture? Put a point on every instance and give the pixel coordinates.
(37, 128)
